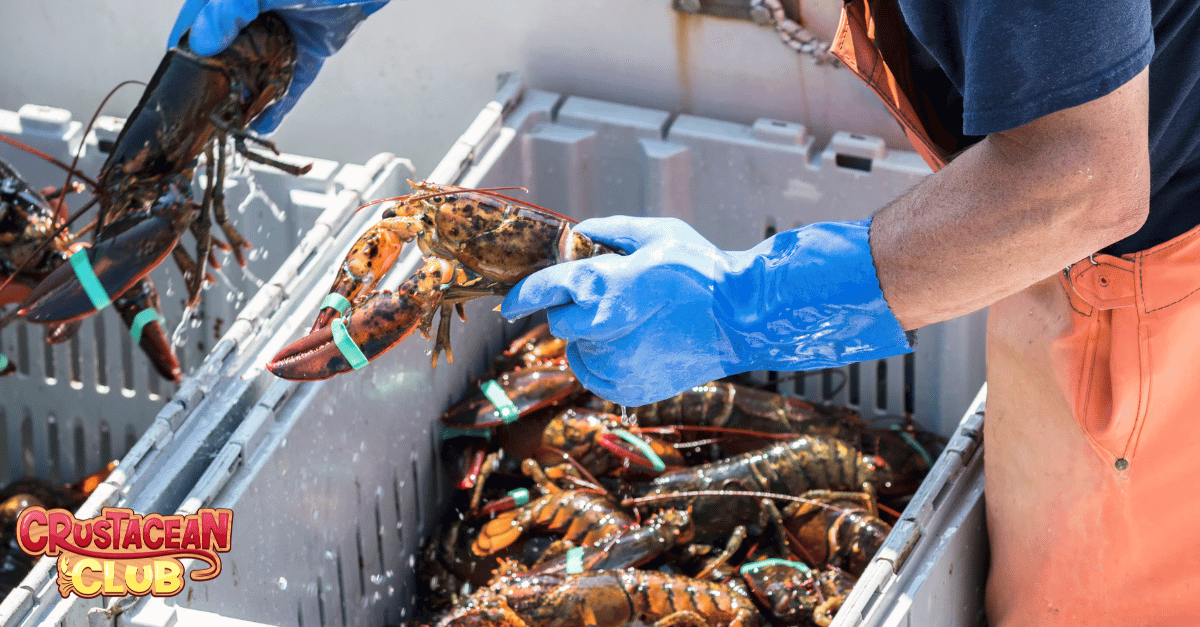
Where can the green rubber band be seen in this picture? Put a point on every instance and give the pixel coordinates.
(775, 561)
(336, 301)
(575, 561)
(350, 350)
(144, 317)
(448, 433)
(504, 406)
(3, 361)
(520, 496)
(91, 285)
(907, 437)
(645, 449)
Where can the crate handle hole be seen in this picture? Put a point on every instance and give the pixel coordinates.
(851, 162)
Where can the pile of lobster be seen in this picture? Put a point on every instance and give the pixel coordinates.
(725, 505)
(189, 110)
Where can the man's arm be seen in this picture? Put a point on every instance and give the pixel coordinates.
(1016, 208)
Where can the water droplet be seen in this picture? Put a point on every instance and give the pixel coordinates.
(282, 583)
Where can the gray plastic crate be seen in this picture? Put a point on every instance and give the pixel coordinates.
(335, 483)
(72, 408)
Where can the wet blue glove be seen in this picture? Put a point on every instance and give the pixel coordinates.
(320, 28)
(678, 312)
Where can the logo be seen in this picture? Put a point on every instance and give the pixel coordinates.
(120, 553)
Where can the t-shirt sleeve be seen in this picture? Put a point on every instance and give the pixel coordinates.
(1024, 59)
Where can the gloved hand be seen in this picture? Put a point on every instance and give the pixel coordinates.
(677, 312)
(320, 28)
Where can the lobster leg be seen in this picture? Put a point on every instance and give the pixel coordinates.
(236, 241)
(240, 137)
(202, 229)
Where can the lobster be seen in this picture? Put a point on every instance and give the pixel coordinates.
(572, 439)
(583, 516)
(606, 598)
(476, 243)
(34, 244)
(632, 546)
(842, 529)
(144, 187)
(794, 594)
(534, 347)
(728, 491)
(728, 406)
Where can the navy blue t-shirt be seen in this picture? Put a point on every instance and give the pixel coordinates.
(1010, 62)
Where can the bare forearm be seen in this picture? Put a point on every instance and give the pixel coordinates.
(1014, 209)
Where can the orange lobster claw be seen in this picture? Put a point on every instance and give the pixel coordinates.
(141, 243)
(374, 327)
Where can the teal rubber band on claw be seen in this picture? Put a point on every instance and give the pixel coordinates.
(911, 441)
(500, 400)
(520, 496)
(753, 566)
(87, 277)
(575, 561)
(144, 317)
(3, 361)
(350, 350)
(337, 302)
(644, 448)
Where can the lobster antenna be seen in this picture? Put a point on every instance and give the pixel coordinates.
(41, 155)
(489, 191)
(760, 495)
(423, 196)
(100, 214)
(41, 247)
(729, 430)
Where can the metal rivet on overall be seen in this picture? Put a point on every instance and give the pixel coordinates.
(1122, 464)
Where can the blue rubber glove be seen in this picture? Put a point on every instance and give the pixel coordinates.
(677, 312)
(320, 28)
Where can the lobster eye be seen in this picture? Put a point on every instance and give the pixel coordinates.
(389, 213)
(437, 200)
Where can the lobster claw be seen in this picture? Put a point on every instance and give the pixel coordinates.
(380, 322)
(118, 261)
(368, 260)
(140, 311)
(528, 390)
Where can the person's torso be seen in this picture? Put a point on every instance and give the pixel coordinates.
(995, 56)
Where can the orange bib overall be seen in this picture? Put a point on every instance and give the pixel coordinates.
(1092, 410)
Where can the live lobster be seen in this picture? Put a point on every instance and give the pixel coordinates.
(476, 243)
(144, 189)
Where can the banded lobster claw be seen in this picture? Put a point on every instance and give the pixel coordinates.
(130, 249)
(372, 327)
(141, 313)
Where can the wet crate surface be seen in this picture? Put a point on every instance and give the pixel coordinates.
(335, 483)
